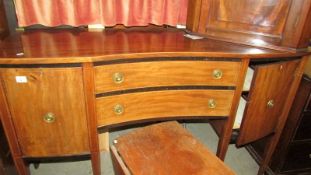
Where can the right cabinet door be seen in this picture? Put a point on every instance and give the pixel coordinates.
(270, 86)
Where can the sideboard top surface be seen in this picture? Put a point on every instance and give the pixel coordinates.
(79, 45)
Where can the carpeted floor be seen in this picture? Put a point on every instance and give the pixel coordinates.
(238, 159)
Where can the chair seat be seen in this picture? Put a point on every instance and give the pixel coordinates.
(164, 149)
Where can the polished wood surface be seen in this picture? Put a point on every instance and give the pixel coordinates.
(6, 120)
(165, 73)
(88, 84)
(271, 145)
(118, 165)
(167, 149)
(228, 124)
(249, 16)
(110, 51)
(55, 90)
(163, 104)
(71, 46)
(259, 119)
(277, 24)
(193, 14)
(291, 155)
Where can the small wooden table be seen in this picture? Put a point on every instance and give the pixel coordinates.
(166, 149)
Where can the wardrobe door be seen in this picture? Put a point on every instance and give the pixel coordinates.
(277, 24)
(265, 17)
(270, 86)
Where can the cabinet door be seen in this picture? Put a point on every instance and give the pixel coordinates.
(278, 24)
(270, 86)
(48, 110)
(266, 17)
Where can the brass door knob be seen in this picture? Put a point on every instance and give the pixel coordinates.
(118, 109)
(49, 117)
(217, 74)
(270, 103)
(211, 103)
(118, 77)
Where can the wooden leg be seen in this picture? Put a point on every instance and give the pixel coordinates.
(88, 79)
(224, 140)
(95, 158)
(268, 151)
(225, 135)
(21, 166)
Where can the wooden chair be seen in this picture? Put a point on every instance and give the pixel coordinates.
(164, 149)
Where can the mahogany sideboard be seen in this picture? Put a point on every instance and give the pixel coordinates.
(59, 86)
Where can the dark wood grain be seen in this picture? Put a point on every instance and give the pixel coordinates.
(277, 24)
(193, 14)
(71, 46)
(167, 149)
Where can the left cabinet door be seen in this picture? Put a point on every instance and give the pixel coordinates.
(47, 107)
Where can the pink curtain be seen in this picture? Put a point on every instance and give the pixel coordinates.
(106, 12)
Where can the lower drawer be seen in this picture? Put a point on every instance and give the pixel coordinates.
(162, 104)
(298, 157)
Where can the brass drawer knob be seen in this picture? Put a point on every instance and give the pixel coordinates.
(211, 103)
(118, 109)
(270, 103)
(118, 77)
(217, 74)
(49, 117)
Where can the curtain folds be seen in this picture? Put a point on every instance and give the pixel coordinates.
(105, 12)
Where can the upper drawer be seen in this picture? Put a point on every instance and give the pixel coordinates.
(165, 73)
(162, 104)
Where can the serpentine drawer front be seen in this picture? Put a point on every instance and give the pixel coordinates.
(176, 88)
(169, 103)
(165, 73)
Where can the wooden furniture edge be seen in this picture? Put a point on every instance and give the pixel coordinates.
(118, 163)
(89, 91)
(10, 133)
(273, 140)
(228, 125)
(129, 56)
